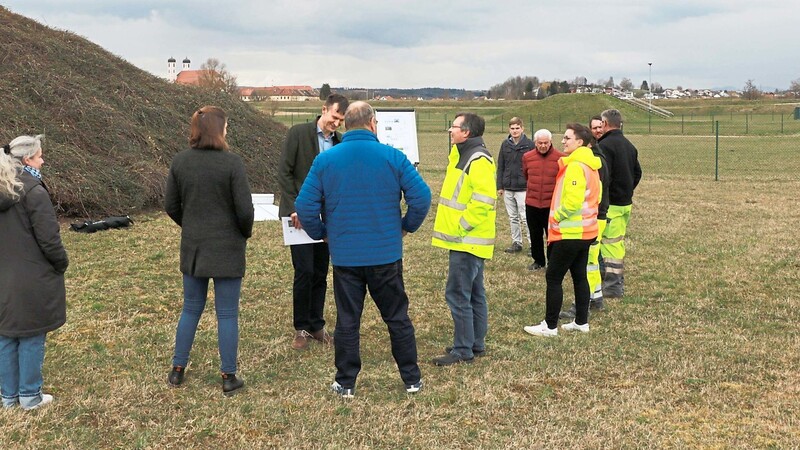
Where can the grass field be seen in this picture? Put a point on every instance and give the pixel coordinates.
(701, 353)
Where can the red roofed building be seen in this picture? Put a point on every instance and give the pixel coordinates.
(279, 93)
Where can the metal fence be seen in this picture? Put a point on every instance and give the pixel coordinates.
(721, 147)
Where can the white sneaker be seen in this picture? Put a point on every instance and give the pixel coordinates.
(541, 330)
(46, 400)
(572, 326)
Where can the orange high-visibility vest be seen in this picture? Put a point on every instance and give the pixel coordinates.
(566, 221)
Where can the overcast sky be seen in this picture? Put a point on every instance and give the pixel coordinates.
(471, 44)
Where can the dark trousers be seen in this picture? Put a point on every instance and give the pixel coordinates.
(566, 255)
(537, 226)
(310, 262)
(385, 283)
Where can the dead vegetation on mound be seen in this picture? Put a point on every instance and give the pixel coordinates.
(111, 128)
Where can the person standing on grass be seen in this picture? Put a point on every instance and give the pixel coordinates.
(593, 264)
(624, 174)
(572, 229)
(208, 196)
(310, 261)
(511, 181)
(32, 266)
(540, 168)
(465, 225)
(350, 198)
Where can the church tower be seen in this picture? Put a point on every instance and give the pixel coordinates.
(171, 74)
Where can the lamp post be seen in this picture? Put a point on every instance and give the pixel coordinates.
(650, 85)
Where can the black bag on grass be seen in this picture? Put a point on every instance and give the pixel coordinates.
(109, 222)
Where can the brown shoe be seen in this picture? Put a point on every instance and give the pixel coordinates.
(322, 336)
(301, 338)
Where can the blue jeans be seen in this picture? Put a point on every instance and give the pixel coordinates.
(466, 298)
(226, 304)
(385, 283)
(21, 362)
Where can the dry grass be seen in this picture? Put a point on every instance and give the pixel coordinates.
(701, 353)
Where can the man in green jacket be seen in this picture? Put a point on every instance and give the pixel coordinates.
(310, 261)
(465, 225)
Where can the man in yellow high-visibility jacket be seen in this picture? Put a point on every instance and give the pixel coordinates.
(465, 225)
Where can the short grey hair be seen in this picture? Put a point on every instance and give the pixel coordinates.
(26, 146)
(358, 115)
(543, 133)
(612, 117)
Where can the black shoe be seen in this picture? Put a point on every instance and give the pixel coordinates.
(176, 376)
(568, 314)
(231, 384)
(515, 248)
(477, 353)
(450, 359)
(597, 305)
(535, 266)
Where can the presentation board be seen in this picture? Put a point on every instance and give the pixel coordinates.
(398, 128)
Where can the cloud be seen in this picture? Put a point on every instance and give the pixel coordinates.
(469, 44)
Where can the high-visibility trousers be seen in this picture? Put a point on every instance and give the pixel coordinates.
(612, 249)
(593, 265)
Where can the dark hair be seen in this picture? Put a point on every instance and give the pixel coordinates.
(358, 115)
(338, 99)
(208, 128)
(582, 133)
(594, 118)
(612, 117)
(472, 123)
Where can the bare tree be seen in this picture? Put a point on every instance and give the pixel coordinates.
(626, 84)
(794, 87)
(750, 91)
(214, 75)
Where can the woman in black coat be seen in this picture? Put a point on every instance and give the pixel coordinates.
(32, 266)
(209, 198)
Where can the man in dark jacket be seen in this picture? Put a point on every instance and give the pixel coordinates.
(310, 261)
(624, 173)
(356, 188)
(511, 181)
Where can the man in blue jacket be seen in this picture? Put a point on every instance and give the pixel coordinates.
(351, 199)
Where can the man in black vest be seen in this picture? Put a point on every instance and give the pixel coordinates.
(310, 261)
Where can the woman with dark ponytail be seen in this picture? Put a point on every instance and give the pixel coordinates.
(33, 296)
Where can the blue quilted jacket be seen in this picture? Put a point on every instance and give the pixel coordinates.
(356, 187)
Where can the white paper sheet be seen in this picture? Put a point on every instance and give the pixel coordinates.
(293, 236)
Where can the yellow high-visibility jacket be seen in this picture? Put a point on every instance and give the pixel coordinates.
(465, 217)
(573, 209)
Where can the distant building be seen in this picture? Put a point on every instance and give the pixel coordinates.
(186, 75)
(278, 93)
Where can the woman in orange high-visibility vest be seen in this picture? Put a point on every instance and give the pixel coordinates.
(571, 230)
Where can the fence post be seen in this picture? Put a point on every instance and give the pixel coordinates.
(447, 127)
(681, 123)
(650, 123)
(716, 155)
(781, 123)
(746, 123)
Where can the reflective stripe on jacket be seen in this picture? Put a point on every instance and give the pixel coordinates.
(573, 211)
(465, 216)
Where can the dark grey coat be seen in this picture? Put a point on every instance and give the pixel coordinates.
(32, 263)
(209, 197)
(299, 150)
